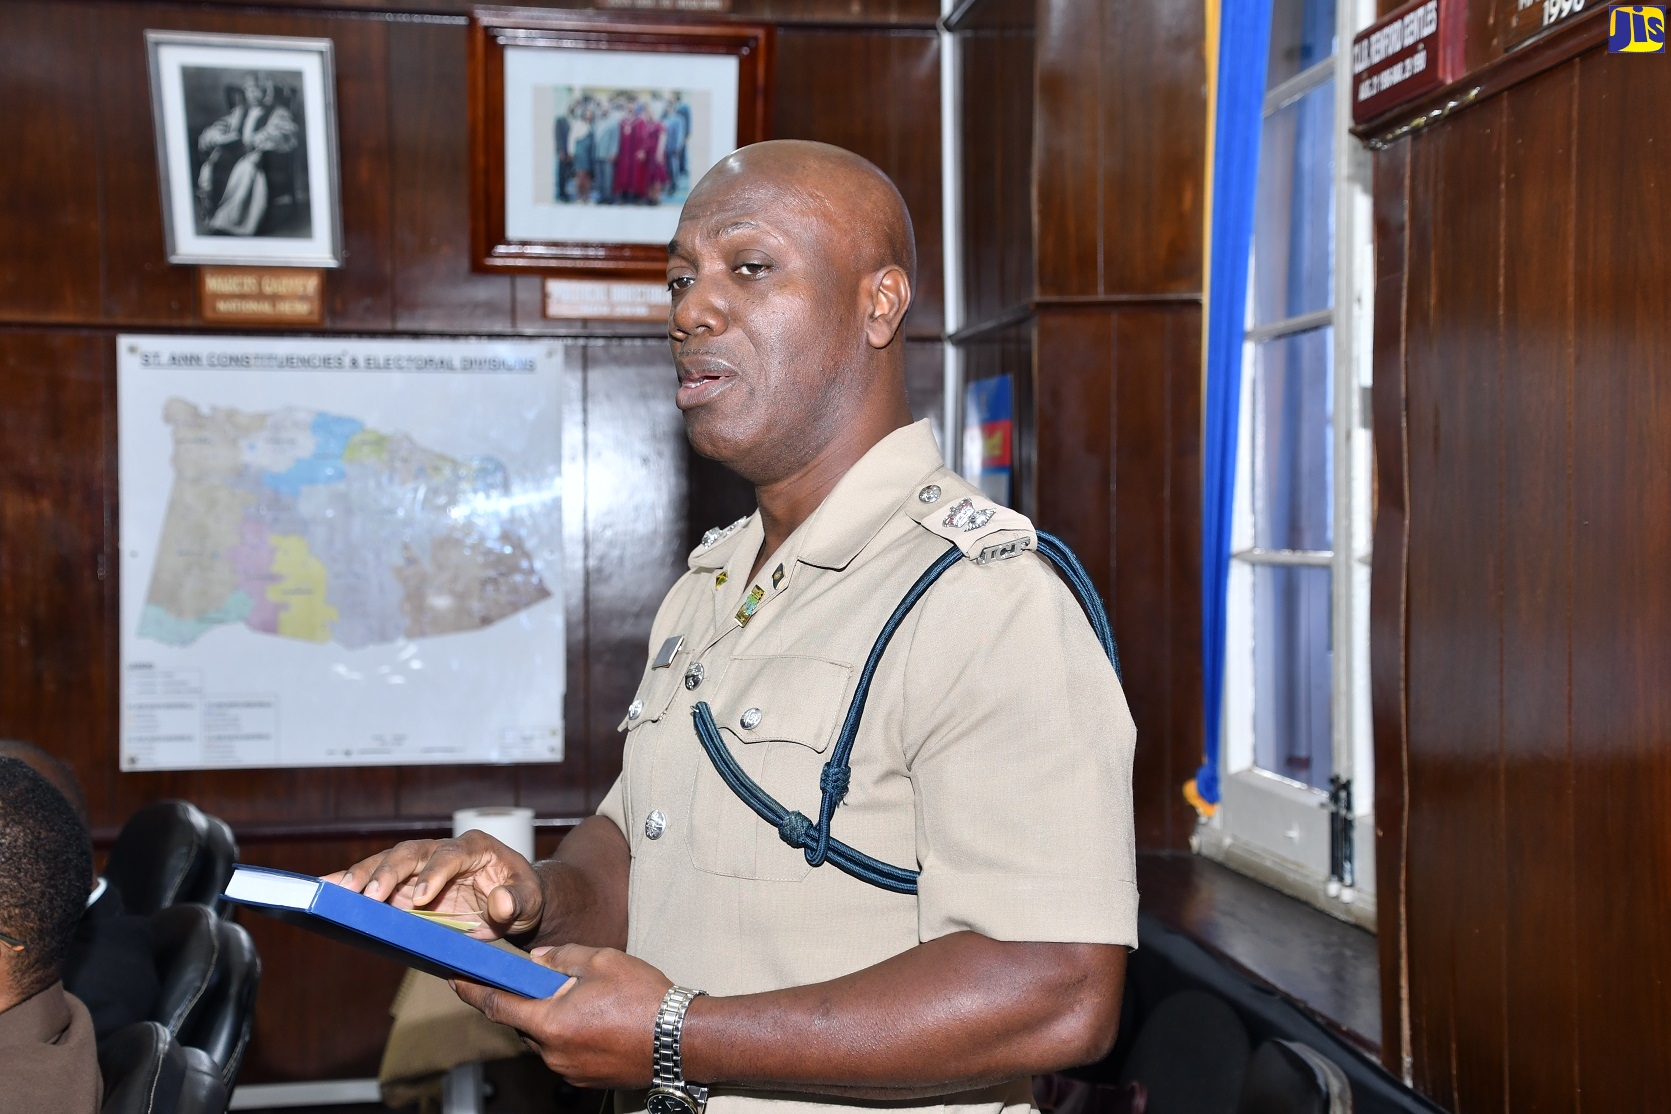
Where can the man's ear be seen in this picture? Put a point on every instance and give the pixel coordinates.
(890, 297)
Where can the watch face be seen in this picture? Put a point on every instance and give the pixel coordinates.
(666, 1100)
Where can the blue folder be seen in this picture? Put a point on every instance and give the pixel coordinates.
(396, 934)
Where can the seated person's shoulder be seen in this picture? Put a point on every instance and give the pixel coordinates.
(46, 873)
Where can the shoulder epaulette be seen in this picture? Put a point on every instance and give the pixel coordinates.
(958, 511)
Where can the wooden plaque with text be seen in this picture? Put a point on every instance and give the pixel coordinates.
(1412, 51)
(261, 295)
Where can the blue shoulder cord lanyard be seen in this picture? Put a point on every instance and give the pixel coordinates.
(795, 828)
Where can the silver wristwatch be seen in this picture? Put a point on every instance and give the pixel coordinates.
(669, 1091)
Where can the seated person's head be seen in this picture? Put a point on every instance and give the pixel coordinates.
(46, 870)
(54, 769)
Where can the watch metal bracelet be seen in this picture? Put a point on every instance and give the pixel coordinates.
(670, 1027)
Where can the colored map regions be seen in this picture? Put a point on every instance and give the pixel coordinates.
(310, 526)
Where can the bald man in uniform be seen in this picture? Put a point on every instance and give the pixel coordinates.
(714, 964)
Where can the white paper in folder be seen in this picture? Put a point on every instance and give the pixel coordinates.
(514, 827)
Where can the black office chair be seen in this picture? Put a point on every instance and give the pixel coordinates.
(1287, 1077)
(170, 852)
(209, 971)
(147, 1071)
(156, 855)
(1190, 1055)
(202, 1091)
(214, 868)
(143, 1068)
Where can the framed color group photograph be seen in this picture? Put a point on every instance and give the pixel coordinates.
(246, 149)
(587, 133)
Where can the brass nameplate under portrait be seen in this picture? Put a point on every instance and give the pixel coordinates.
(261, 295)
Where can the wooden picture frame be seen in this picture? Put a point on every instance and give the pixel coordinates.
(605, 69)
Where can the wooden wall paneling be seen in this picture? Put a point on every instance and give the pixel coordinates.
(1079, 439)
(434, 288)
(1069, 162)
(925, 383)
(1456, 814)
(1151, 548)
(1535, 384)
(1621, 599)
(57, 592)
(1118, 447)
(1388, 599)
(1120, 150)
(1186, 684)
(49, 217)
(361, 293)
(879, 96)
(997, 105)
(1154, 110)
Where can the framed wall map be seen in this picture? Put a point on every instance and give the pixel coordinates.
(587, 133)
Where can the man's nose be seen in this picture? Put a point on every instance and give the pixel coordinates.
(698, 310)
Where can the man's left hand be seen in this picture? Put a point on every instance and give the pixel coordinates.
(598, 1030)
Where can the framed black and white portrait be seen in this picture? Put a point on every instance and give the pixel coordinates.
(246, 149)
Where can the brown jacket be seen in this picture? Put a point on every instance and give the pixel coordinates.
(48, 1062)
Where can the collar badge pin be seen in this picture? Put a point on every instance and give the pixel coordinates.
(751, 604)
(777, 577)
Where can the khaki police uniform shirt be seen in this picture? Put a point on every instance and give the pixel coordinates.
(994, 755)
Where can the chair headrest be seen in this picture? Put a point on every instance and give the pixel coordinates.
(156, 854)
(1287, 1077)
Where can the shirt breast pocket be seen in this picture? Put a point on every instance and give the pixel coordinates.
(655, 692)
(778, 716)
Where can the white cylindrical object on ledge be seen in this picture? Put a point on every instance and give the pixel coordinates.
(514, 827)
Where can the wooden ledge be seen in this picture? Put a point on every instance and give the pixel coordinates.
(1327, 968)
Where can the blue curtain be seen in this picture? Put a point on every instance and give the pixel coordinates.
(1244, 38)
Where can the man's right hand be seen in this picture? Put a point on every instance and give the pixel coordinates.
(474, 873)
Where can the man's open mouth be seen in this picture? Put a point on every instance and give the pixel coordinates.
(701, 379)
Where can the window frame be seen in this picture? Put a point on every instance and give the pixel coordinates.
(1266, 825)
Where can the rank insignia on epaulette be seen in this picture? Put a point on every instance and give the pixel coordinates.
(964, 516)
(751, 604)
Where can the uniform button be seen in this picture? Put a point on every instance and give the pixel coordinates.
(654, 825)
(635, 709)
(751, 719)
(694, 675)
(929, 494)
